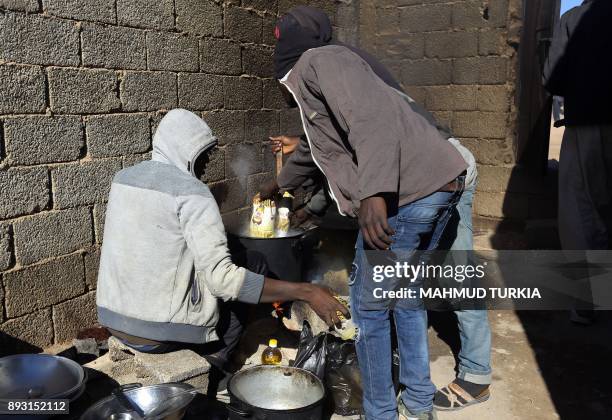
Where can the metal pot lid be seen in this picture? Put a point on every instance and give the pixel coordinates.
(39, 376)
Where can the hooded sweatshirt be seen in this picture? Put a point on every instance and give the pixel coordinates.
(164, 260)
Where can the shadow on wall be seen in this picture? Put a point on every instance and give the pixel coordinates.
(12, 345)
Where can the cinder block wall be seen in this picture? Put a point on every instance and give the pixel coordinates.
(459, 59)
(84, 83)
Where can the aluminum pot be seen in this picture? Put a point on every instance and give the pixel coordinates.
(275, 393)
(144, 399)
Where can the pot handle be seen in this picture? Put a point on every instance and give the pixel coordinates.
(239, 412)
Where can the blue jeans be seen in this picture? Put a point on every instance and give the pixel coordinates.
(418, 226)
(474, 330)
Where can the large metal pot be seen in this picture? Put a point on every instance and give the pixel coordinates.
(132, 401)
(275, 393)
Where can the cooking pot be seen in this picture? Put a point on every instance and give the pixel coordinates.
(275, 393)
(132, 401)
(285, 257)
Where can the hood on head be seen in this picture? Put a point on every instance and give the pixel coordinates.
(181, 138)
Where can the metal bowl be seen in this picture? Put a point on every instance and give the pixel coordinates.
(40, 376)
(147, 399)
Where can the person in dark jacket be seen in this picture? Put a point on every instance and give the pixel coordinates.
(579, 68)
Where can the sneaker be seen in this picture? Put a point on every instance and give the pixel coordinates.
(405, 414)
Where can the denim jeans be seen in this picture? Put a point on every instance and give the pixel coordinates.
(418, 226)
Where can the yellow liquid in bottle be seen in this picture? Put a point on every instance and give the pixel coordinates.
(271, 355)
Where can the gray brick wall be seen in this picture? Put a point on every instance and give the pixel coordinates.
(84, 84)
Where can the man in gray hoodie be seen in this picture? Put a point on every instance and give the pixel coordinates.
(165, 269)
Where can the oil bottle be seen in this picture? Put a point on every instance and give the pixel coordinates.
(272, 354)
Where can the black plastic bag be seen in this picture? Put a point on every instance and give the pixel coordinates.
(312, 351)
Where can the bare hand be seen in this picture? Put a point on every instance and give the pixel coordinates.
(268, 190)
(373, 223)
(287, 144)
(325, 305)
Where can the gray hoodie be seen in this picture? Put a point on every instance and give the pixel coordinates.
(164, 260)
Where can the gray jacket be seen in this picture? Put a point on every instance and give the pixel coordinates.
(164, 260)
(362, 134)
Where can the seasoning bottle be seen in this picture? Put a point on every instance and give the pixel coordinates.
(272, 354)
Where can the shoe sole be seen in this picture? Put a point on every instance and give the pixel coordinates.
(466, 405)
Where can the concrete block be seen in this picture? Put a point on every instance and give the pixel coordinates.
(220, 56)
(494, 98)
(200, 92)
(118, 351)
(242, 93)
(230, 194)
(243, 25)
(29, 333)
(444, 117)
(227, 126)
(480, 70)
(290, 122)
(131, 160)
(73, 315)
(425, 18)
(242, 160)
(51, 234)
(417, 93)
(451, 44)
(172, 367)
(199, 17)
(426, 72)
(269, 23)
(146, 14)
(172, 52)
(270, 6)
(21, 5)
(387, 21)
(490, 152)
(43, 285)
(261, 125)
(451, 98)
(36, 140)
(23, 191)
(492, 125)
(99, 215)
(23, 89)
(38, 40)
(236, 220)
(1, 306)
(402, 46)
(272, 95)
(91, 260)
(75, 91)
(501, 205)
(215, 168)
(148, 91)
(118, 134)
(257, 61)
(492, 42)
(255, 182)
(6, 250)
(94, 10)
(478, 14)
(85, 184)
(113, 47)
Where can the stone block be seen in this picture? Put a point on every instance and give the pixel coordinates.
(38, 40)
(146, 14)
(480, 70)
(21, 5)
(270, 6)
(51, 234)
(172, 52)
(257, 61)
(426, 72)
(243, 25)
(445, 118)
(492, 125)
(91, 260)
(73, 315)
(23, 89)
(93, 10)
(215, 168)
(242, 93)
(200, 17)
(478, 14)
(113, 47)
(417, 93)
(176, 366)
(118, 134)
(425, 18)
(255, 182)
(227, 126)
(267, 36)
(492, 42)
(200, 92)
(501, 205)
(148, 91)
(490, 152)
(272, 95)
(220, 56)
(451, 98)
(230, 194)
(261, 125)
(99, 215)
(23, 191)
(402, 46)
(39, 286)
(290, 122)
(494, 98)
(6, 250)
(451, 44)
(29, 333)
(242, 160)
(387, 21)
(80, 91)
(118, 351)
(2, 311)
(85, 184)
(36, 140)
(131, 160)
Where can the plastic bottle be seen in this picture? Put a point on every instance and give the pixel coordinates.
(272, 354)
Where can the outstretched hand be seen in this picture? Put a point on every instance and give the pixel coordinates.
(287, 144)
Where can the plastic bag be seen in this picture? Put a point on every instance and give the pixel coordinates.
(312, 352)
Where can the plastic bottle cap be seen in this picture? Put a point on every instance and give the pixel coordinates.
(273, 343)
